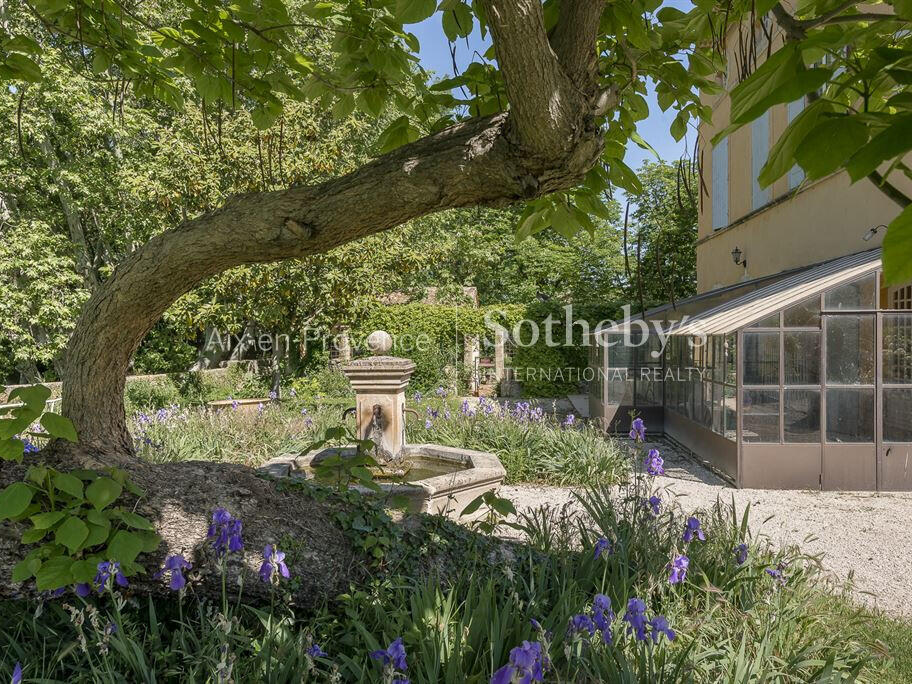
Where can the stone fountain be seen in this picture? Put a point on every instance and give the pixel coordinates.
(434, 478)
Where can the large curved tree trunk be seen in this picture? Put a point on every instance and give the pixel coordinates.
(547, 142)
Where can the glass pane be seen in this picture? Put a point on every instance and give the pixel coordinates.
(695, 408)
(619, 354)
(717, 409)
(897, 349)
(857, 295)
(706, 415)
(718, 371)
(850, 415)
(801, 415)
(850, 350)
(760, 422)
(897, 415)
(804, 315)
(802, 358)
(771, 321)
(761, 358)
(731, 359)
(730, 412)
(647, 354)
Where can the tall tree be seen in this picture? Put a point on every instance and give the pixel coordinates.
(662, 236)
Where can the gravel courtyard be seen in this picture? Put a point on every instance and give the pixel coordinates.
(864, 534)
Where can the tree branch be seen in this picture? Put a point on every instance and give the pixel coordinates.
(574, 40)
(547, 108)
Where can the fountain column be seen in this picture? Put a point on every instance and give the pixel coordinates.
(380, 382)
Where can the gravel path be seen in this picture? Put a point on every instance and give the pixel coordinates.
(863, 534)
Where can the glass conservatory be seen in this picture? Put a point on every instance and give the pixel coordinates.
(804, 382)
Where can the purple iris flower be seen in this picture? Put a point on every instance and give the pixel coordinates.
(602, 546)
(107, 570)
(635, 617)
(692, 529)
(393, 655)
(428, 424)
(581, 623)
(273, 395)
(225, 532)
(603, 616)
(654, 503)
(176, 565)
(778, 573)
(638, 430)
(678, 569)
(654, 464)
(741, 554)
(17, 674)
(659, 626)
(569, 420)
(83, 589)
(527, 664)
(273, 560)
(316, 652)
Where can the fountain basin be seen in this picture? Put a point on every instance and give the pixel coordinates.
(442, 480)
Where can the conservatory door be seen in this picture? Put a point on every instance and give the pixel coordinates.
(895, 394)
(849, 402)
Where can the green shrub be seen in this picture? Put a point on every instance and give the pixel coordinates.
(323, 382)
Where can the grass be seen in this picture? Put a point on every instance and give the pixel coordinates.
(891, 644)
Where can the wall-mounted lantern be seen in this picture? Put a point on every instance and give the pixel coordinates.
(736, 257)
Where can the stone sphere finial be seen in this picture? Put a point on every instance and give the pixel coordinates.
(380, 342)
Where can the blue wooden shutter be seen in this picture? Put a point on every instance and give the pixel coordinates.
(720, 185)
(795, 174)
(760, 135)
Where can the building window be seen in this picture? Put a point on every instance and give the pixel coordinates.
(759, 152)
(796, 173)
(901, 297)
(720, 185)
